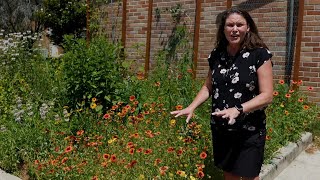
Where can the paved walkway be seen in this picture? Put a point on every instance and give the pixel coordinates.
(6, 176)
(305, 167)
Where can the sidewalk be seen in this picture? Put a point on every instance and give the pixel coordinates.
(297, 161)
(6, 176)
(305, 167)
(289, 154)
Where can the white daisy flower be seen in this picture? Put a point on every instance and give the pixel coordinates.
(246, 55)
(237, 95)
(235, 80)
(223, 71)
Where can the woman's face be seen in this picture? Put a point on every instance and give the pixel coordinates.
(235, 29)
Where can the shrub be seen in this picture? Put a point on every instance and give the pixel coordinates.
(93, 72)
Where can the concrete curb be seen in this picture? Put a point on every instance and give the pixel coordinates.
(6, 176)
(285, 156)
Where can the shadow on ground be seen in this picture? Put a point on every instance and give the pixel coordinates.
(211, 171)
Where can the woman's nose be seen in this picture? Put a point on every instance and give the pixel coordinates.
(234, 28)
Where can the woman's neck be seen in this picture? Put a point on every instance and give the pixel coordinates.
(233, 50)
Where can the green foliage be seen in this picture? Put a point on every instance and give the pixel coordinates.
(135, 137)
(288, 116)
(63, 17)
(93, 72)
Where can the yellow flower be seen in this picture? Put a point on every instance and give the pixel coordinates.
(110, 141)
(281, 105)
(172, 122)
(94, 99)
(286, 112)
(141, 177)
(93, 105)
(183, 174)
(192, 178)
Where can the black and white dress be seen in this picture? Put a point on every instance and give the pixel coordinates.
(238, 148)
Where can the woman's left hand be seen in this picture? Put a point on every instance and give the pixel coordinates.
(229, 114)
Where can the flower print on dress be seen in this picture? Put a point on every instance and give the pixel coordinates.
(246, 55)
(223, 71)
(251, 86)
(235, 78)
(252, 69)
(237, 95)
(216, 94)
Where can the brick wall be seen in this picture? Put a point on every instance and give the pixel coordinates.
(271, 17)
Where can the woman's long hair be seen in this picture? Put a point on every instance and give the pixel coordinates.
(252, 39)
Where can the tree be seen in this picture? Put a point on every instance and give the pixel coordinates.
(63, 17)
(17, 15)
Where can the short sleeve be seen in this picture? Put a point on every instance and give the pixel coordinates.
(264, 55)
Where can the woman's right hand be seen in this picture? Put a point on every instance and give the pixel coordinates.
(184, 112)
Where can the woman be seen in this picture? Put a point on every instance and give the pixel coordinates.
(241, 85)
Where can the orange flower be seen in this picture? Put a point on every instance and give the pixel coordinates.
(68, 149)
(135, 135)
(64, 160)
(310, 88)
(294, 82)
(270, 130)
(200, 174)
(305, 107)
(106, 156)
(114, 107)
(291, 91)
(179, 152)
(139, 150)
(130, 145)
(286, 112)
(299, 82)
(157, 84)
(94, 178)
(275, 93)
(80, 132)
(170, 149)
(281, 81)
(106, 116)
(189, 70)
(67, 168)
(268, 137)
(36, 162)
(288, 95)
(131, 164)
(300, 100)
(148, 151)
(131, 151)
(104, 164)
(133, 109)
(113, 158)
(164, 168)
(157, 161)
(179, 107)
(132, 98)
(203, 155)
